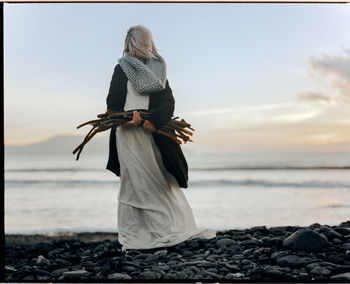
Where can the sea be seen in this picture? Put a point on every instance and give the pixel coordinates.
(52, 193)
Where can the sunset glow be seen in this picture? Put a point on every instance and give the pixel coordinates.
(242, 81)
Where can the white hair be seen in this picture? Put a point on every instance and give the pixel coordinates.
(139, 42)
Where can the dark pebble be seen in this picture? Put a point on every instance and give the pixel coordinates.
(225, 242)
(75, 274)
(59, 272)
(320, 273)
(211, 275)
(305, 239)
(118, 276)
(149, 275)
(41, 272)
(29, 278)
(341, 277)
(278, 253)
(63, 262)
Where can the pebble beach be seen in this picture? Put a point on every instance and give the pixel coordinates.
(319, 253)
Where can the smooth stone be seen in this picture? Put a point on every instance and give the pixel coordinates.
(194, 269)
(343, 276)
(179, 265)
(63, 262)
(211, 274)
(119, 276)
(129, 268)
(232, 267)
(293, 260)
(312, 265)
(238, 257)
(252, 243)
(258, 229)
(161, 253)
(335, 258)
(345, 224)
(29, 278)
(187, 253)
(170, 276)
(331, 234)
(225, 242)
(214, 270)
(152, 258)
(267, 241)
(235, 249)
(132, 252)
(41, 272)
(320, 273)
(54, 252)
(245, 262)
(159, 271)
(247, 251)
(172, 263)
(340, 269)
(141, 256)
(255, 273)
(304, 275)
(342, 230)
(200, 263)
(234, 275)
(272, 272)
(149, 275)
(9, 268)
(41, 260)
(189, 273)
(337, 241)
(278, 230)
(181, 275)
(164, 267)
(278, 254)
(306, 240)
(59, 272)
(75, 274)
(258, 251)
(130, 263)
(43, 278)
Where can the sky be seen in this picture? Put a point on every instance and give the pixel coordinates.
(246, 76)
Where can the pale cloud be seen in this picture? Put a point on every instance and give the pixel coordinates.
(247, 116)
(332, 72)
(318, 118)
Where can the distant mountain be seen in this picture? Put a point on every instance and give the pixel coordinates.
(61, 145)
(64, 145)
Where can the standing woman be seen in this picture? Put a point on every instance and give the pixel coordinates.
(152, 209)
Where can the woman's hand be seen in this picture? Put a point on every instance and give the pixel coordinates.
(136, 119)
(147, 125)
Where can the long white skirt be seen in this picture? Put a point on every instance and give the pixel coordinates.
(152, 208)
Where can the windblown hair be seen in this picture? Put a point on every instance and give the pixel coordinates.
(139, 42)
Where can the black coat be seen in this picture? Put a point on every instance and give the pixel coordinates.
(163, 104)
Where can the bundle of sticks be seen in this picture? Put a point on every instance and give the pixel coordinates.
(174, 129)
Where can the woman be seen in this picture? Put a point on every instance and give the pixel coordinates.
(152, 209)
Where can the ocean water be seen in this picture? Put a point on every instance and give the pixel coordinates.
(54, 193)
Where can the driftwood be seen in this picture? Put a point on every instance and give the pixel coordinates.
(174, 129)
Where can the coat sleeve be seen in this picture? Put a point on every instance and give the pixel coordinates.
(165, 110)
(114, 96)
(114, 102)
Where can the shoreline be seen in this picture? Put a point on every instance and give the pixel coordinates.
(284, 253)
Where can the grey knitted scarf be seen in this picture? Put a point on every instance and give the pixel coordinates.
(145, 78)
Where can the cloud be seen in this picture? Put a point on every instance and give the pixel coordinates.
(332, 72)
(241, 117)
(315, 97)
